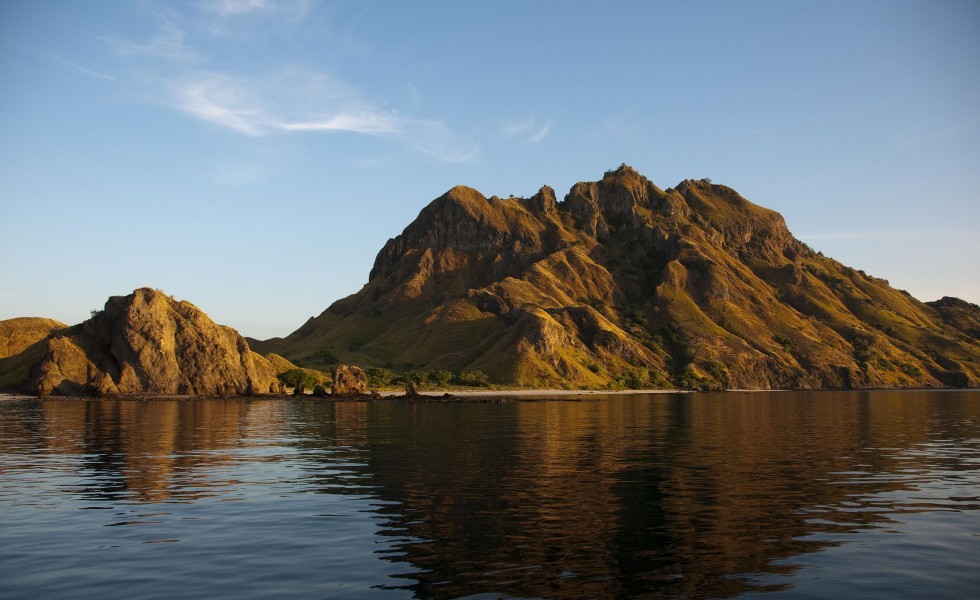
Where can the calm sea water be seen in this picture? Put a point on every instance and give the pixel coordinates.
(782, 495)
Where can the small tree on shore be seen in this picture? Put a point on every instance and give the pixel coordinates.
(295, 377)
(440, 378)
(473, 378)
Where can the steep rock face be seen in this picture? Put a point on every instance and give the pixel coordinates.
(147, 342)
(626, 284)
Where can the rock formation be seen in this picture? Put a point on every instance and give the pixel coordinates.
(626, 284)
(348, 381)
(149, 343)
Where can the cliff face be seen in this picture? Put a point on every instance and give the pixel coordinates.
(147, 342)
(626, 284)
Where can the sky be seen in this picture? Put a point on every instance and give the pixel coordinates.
(253, 156)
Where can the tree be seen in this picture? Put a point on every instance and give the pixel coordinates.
(440, 378)
(473, 378)
(378, 377)
(294, 377)
(417, 377)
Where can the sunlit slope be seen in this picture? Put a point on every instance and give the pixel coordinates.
(625, 284)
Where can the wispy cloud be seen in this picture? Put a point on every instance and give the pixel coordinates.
(303, 100)
(871, 235)
(528, 130)
(229, 8)
(168, 44)
(939, 134)
(80, 69)
(236, 8)
(294, 100)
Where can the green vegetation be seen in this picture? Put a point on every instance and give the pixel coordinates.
(295, 377)
(785, 342)
(379, 377)
(440, 378)
(473, 379)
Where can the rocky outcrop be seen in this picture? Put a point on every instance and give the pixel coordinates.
(149, 343)
(349, 381)
(625, 284)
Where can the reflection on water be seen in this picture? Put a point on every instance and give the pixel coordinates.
(704, 495)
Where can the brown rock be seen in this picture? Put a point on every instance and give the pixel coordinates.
(411, 390)
(149, 343)
(320, 392)
(349, 381)
(106, 386)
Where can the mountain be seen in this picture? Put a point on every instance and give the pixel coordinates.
(624, 284)
(145, 342)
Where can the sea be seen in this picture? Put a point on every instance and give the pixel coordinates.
(783, 495)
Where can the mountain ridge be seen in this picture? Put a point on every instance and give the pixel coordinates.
(625, 284)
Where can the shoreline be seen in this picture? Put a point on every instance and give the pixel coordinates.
(448, 396)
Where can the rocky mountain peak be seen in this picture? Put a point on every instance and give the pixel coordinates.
(625, 283)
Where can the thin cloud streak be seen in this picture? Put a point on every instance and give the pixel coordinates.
(299, 101)
(940, 134)
(872, 235)
(288, 101)
(80, 69)
(527, 130)
(168, 44)
(226, 9)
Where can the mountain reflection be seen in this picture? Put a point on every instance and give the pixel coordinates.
(693, 495)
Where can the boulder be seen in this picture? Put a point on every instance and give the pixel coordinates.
(320, 392)
(349, 381)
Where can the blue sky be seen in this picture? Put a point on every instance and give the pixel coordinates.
(252, 156)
